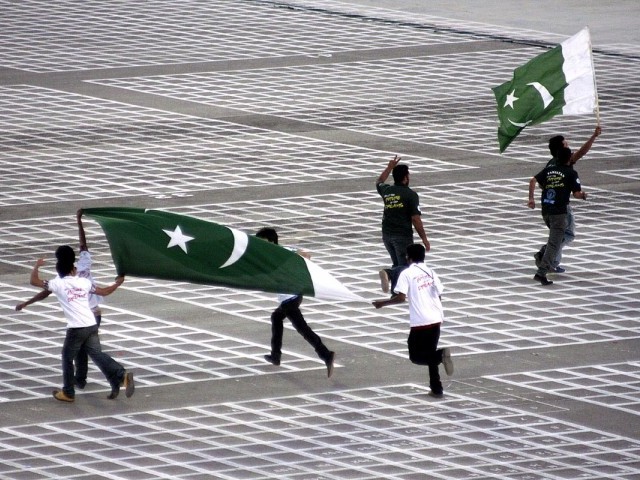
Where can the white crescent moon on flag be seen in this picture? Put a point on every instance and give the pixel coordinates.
(240, 242)
(547, 98)
(521, 125)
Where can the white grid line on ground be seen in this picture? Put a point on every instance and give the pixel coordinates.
(101, 34)
(396, 432)
(105, 149)
(443, 100)
(615, 385)
(158, 351)
(484, 257)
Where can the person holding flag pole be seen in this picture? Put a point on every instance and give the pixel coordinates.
(560, 81)
(555, 145)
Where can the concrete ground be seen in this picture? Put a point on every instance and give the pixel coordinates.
(255, 113)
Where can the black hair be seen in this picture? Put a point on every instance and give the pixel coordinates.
(564, 156)
(555, 144)
(64, 268)
(268, 234)
(399, 172)
(415, 252)
(65, 253)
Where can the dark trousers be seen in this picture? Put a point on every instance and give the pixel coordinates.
(423, 350)
(557, 225)
(82, 359)
(87, 338)
(396, 246)
(291, 309)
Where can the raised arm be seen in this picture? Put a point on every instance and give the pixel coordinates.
(81, 236)
(35, 279)
(582, 151)
(387, 171)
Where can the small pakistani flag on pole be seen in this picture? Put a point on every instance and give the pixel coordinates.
(558, 82)
(163, 245)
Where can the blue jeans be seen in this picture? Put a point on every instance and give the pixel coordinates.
(87, 338)
(82, 359)
(569, 236)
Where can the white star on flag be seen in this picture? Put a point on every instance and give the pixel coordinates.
(178, 238)
(510, 99)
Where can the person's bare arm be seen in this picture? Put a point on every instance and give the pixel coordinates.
(304, 253)
(580, 194)
(582, 151)
(41, 295)
(532, 188)
(105, 291)
(399, 298)
(35, 279)
(417, 224)
(387, 171)
(82, 238)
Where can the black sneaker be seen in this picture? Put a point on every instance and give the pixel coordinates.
(542, 279)
(115, 391)
(538, 259)
(81, 384)
(273, 360)
(329, 363)
(435, 394)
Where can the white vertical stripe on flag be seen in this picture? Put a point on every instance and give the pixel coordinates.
(580, 93)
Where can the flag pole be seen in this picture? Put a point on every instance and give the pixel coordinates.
(595, 84)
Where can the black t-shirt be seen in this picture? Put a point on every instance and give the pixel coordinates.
(557, 182)
(400, 204)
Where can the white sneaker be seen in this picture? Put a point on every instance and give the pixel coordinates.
(384, 280)
(446, 361)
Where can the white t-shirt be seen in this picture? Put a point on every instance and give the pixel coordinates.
(73, 295)
(423, 288)
(83, 270)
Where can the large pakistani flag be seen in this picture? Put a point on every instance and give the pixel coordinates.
(163, 245)
(560, 81)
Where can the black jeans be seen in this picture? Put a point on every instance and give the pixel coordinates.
(291, 309)
(87, 338)
(423, 350)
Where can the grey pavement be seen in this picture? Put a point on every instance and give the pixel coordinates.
(255, 113)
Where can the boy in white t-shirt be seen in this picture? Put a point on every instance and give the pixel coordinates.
(421, 286)
(83, 266)
(73, 293)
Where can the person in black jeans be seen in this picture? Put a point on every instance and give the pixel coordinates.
(421, 287)
(290, 308)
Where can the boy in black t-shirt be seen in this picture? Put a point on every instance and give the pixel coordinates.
(558, 182)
